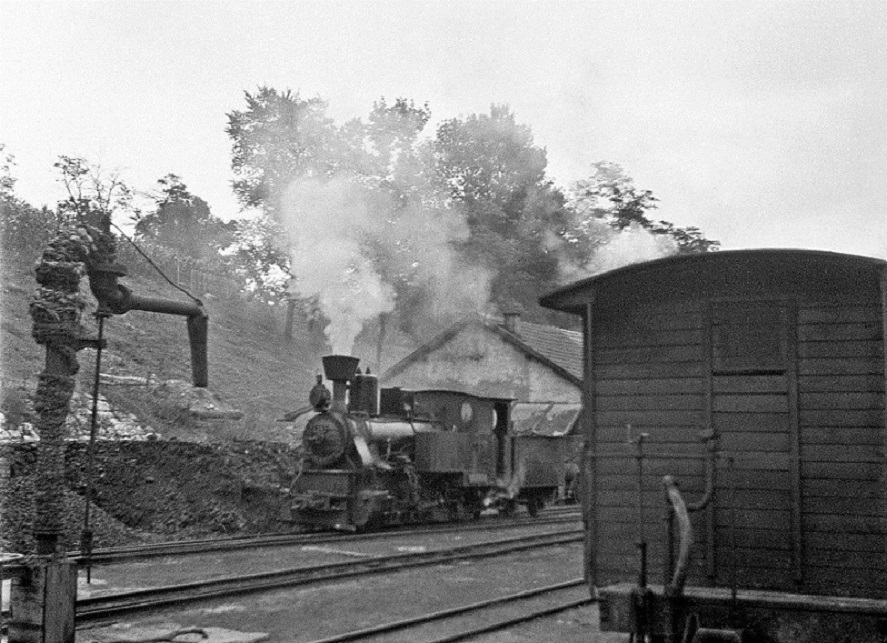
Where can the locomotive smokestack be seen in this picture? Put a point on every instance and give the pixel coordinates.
(340, 370)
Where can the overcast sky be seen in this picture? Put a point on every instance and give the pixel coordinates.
(764, 124)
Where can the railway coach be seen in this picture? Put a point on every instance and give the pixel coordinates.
(754, 380)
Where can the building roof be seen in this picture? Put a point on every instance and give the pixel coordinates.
(559, 349)
(563, 347)
(545, 418)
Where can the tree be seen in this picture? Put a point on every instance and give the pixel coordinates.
(278, 138)
(94, 194)
(313, 180)
(183, 223)
(490, 163)
(491, 168)
(255, 256)
(610, 195)
(24, 229)
(7, 180)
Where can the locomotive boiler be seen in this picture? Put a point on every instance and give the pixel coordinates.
(375, 457)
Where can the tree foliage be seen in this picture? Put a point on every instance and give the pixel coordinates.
(94, 194)
(610, 195)
(256, 258)
(491, 167)
(183, 224)
(24, 229)
(277, 138)
(7, 180)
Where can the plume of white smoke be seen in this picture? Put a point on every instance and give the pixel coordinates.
(424, 237)
(631, 245)
(325, 223)
(332, 227)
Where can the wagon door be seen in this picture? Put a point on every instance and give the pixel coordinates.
(753, 408)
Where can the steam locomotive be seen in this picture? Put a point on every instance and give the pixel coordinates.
(374, 457)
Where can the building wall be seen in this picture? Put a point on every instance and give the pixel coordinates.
(479, 362)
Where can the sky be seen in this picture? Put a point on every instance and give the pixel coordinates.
(762, 123)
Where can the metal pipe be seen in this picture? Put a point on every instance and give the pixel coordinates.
(710, 473)
(119, 300)
(679, 577)
(198, 339)
(731, 471)
(674, 586)
(166, 306)
(708, 501)
(198, 330)
(642, 540)
(86, 534)
(669, 561)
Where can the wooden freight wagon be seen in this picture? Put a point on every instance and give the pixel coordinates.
(770, 359)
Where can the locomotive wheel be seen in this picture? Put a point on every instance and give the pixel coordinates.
(535, 505)
(509, 508)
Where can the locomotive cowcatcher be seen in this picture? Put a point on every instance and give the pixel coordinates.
(374, 457)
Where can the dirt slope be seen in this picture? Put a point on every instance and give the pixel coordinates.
(252, 367)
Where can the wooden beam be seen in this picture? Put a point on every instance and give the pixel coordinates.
(884, 428)
(589, 462)
(711, 531)
(790, 328)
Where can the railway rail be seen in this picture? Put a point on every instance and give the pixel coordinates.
(518, 608)
(103, 607)
(113, 555)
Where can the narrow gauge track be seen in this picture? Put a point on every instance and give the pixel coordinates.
(485, 616)
(111, 555)
(102, 607)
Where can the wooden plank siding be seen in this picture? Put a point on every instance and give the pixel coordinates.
(841, 415)
(655, 374)
(650, 374)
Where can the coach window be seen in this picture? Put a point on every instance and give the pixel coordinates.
(749, 337)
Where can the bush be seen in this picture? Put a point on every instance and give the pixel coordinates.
(24, 229)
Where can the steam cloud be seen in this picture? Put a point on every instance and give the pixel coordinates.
(631, 245)
(334, 227)
(634, 244)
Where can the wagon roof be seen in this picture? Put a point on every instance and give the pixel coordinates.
(764, 259)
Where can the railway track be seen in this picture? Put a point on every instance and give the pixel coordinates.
(104, 607)
(467, 621)
(111, 555)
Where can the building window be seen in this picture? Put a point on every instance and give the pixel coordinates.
(749, 337)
